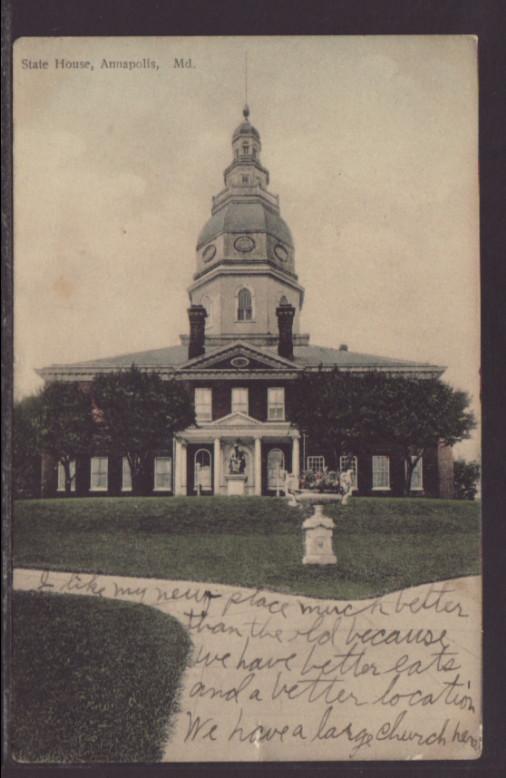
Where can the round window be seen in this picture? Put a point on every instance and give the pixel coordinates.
(244, 244)
(280, 252)
(239, 362)
(209, 252)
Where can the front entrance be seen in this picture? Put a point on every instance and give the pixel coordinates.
(200, 470)
(275, 457)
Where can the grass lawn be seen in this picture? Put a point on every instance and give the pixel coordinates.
(381, 544)
(92, 680)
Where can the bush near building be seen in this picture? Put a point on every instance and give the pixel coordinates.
(466, 477)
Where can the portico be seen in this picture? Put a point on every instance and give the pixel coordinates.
(202, 455)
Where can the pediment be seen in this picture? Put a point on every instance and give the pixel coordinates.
(236, 420)
(241, 357)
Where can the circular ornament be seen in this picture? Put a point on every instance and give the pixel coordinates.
(209, 252)
(280, 252)
(244, 244)
(239, 362)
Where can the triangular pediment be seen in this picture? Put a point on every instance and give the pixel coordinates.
(236, 420)
(241, 357)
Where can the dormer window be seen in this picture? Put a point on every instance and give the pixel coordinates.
(244, 305)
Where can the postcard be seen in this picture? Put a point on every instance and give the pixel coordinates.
(246, 428)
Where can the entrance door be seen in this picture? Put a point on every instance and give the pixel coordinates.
(202, 471)
(275, 467)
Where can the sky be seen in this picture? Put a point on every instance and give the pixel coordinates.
(372, 146)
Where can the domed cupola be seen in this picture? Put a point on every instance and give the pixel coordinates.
(246, 236)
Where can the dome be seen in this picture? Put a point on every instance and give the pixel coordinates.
(245, 217)
(245, 128)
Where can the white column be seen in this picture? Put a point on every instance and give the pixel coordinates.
(177, 468)
(184, 458)
(296, 457)
(217, 465)
(258, 466)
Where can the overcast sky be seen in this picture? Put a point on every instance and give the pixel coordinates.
(371, 143)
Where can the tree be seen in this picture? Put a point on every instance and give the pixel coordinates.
(420, 413)
(348, 411)
(67, 424)
(137, 415)
(26, 447)
(336, 408)
(465, 479)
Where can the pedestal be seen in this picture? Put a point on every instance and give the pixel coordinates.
(236, 484)
(318, 539)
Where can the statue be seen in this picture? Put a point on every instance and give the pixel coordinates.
(237, 461)
(346, 482)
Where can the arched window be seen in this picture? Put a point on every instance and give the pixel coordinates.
(244, 305)
(203, 477)
(245, 148)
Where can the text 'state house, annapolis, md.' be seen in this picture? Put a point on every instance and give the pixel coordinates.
(243, 353)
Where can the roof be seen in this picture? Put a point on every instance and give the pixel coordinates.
(243, 216)
(173, 357)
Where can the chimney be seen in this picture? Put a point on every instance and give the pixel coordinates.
(197, 315)
(285, 313)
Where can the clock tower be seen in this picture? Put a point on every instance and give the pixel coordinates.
(245, 253)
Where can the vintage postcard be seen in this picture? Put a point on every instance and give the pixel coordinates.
(246, 426)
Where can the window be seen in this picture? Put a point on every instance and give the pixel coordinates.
(61, 476)
(417, 476)
(240, 400)
(345, 463)
(203, 404)
(202, 475)
(163, 474)
(380, 472)
(126, 475)
(245, 148)
(244, 305)
(275, 403)
(245, 179)
(98, 474)
(316, 464)
(275, 468)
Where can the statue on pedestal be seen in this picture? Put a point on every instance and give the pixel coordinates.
(237, 461)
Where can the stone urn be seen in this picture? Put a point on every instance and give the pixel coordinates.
(317, 528)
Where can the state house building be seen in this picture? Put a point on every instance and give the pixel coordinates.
(243, 352)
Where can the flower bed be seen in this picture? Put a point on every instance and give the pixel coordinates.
(321, 481)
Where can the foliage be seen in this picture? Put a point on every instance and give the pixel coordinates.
(383, 544)
(93, 680)
(465, 479)
(137, 414)
(58, 421)
(26, 447)
(324, 481)
(349, 412)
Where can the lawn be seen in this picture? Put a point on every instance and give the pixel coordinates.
(93, 680)
(381, 544)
